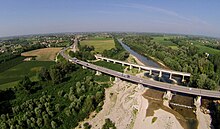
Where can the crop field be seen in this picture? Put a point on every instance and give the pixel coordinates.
(11, 63)
(10, 77)
(100, 44)
(162, 41)
(204, 49)
(44, 54)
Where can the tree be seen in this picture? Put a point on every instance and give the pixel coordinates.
(44, 74)
(53, 124)
(39, 122)
(25, 84)
(56, 74)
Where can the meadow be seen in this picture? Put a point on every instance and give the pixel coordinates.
(204, 49)
(10, 77)
(100, 44)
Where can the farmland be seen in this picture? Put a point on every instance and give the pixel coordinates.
(100, 44)
(44, 54)
(9, 77)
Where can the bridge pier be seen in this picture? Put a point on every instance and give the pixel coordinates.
(139, 69)
(160, 74)
(123, 64)
(140, 86)
(131, 67)
(114, 62)
(107, 60)
(183, 80)
(150, 72)
(117, 79)
(98, 73)
(197, 103)
(84, 67)
(167, 96)
(170, 76)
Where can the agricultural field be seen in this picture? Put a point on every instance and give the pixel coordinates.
(100, 44)
(10, 77)
(162, 40)
(44, 54)
(204, 49)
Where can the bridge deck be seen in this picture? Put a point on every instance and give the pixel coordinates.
(138, 80)
(145, 67)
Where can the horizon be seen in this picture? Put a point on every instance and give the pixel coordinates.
(43, 17)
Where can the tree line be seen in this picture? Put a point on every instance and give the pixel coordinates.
(205, 70)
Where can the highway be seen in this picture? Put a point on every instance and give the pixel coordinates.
(144, 82)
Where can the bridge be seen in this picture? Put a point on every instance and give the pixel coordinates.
(144, 82)
(150, 69)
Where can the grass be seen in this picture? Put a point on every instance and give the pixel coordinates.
(116, 67)
(161, 40)
(44, 54)
(11, 63)
(100, 44)
(204, 49)
(9, 77)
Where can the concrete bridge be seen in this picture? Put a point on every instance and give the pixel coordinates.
(150, 69)
(146, 82)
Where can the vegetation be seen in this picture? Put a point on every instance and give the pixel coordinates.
(204, 70)
(11, 63)
(84, 53)
(108, 124)
(116, 67)
(64, 95)
(100, 44)
(154, 120)
(118, 52)
(29, 68)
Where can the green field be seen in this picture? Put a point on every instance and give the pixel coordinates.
(99, 43)
(116, 67)
(10, 77)
(204, 49)
(162, 41)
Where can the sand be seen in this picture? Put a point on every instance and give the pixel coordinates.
(125, 105)
(204, 120)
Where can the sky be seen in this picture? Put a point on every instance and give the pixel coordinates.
(197, 17)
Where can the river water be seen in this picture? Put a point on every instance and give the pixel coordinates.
(146, 61)
(149, 62)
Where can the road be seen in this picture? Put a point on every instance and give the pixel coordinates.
(144, 82)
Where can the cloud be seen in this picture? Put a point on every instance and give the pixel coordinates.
(188, 20)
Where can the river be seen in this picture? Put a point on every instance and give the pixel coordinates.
(149, 62)
(146, 61)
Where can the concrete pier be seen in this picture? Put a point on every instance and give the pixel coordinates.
(117, 79)
(139, 69)
(150, 72)
(183, 80)
(170, 76)
(98, 73)
(160, 74)
(167, 96)
(131, 67)
(140, 86)
(84, 67)
(197, 101)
